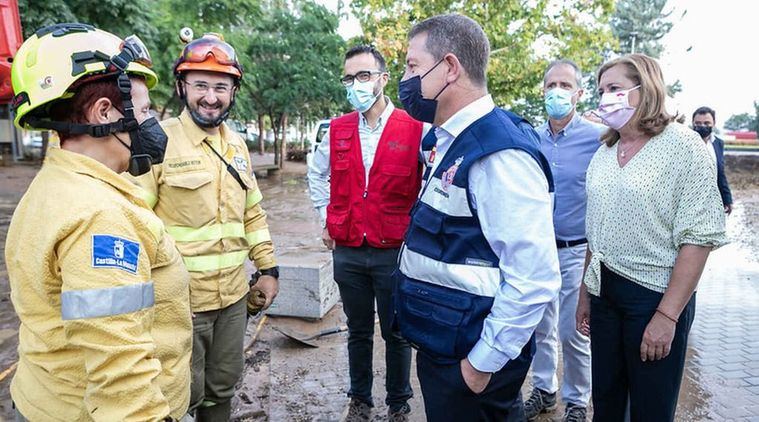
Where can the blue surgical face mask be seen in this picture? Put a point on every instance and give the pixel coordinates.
(410, 95)
(558, 103)
(361, 95)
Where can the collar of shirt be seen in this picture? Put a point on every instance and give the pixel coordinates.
(364, 124)
(456, 124)
(82, 164)
(195, 133)
(466, 116)
(546, 127)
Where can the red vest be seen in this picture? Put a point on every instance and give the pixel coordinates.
(380, 209)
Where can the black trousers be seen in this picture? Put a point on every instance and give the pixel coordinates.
(448, 398)
(618, 319)
(364, 275)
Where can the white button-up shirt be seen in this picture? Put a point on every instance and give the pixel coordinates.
(510, 193)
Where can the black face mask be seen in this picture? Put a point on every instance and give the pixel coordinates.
(410, 95)
(704, 131)
(148, 146)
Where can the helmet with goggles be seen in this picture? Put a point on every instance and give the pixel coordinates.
(53, 62)
(209, 53)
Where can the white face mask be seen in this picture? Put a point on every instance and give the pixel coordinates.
(614, 108)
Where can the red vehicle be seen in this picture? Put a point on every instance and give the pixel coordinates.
(10, 41)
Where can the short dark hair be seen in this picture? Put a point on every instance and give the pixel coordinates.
(705, 110)
(460, 35)
(566, 62)
(367, 49)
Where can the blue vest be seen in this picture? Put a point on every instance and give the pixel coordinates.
(448, 274)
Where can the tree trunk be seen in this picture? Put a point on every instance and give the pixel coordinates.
(261, 133)
(302, 131)
(283, 144)
(275, 127)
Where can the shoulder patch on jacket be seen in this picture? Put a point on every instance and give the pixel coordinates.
(115, 252)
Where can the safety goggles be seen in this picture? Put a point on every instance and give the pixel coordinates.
(198, 50)
(134, 45)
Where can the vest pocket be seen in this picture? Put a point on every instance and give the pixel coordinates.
(396, 182)
(340, 182)
(432, 318)
(393, 226)
(338, 225)
(425, 234)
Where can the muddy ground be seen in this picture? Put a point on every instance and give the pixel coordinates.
(284, 381)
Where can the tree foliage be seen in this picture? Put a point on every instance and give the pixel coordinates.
(295, 64)
(743, 121)
(524, 38)
(643, 21)
(289, 50)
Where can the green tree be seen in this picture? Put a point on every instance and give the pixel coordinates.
(232, 19)
(295, 56)
(524, 38)
(642, 22)
(121, 17)
(742, 121)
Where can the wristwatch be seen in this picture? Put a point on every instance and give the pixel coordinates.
(273, 271)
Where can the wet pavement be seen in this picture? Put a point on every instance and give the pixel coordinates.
(284, 381)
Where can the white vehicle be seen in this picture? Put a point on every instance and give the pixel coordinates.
(320, 131)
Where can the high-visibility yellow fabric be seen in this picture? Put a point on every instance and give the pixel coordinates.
(106, 333)
(215, 222)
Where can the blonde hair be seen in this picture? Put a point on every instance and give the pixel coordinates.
(650, 114)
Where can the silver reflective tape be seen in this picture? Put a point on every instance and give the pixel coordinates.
(451, 200)
(481, 281)
(96, 303)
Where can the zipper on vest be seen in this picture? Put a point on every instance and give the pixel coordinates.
(366, 192)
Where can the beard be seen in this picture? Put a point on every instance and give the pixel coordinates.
(208, 116)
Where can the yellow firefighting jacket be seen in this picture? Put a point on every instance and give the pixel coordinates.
(216, 224)
(103, 299)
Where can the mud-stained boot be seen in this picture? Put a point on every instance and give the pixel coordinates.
(219, 412)
(357, 411)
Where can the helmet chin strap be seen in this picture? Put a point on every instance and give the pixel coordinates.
(122, 142)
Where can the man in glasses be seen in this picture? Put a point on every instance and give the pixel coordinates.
(363, 180)
(208, 199)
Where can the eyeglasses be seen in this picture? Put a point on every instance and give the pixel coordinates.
(361, 76)
(202, 88)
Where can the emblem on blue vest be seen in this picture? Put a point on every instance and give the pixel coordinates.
(448, 175)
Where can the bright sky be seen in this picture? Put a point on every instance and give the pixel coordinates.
(721, 69)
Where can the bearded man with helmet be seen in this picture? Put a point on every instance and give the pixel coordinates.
(97, 283)
(205, 193)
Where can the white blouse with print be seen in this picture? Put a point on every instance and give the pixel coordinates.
(639, 215)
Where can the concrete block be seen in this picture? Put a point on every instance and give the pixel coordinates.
(307, 287)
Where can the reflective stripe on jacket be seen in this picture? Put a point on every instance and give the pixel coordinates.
(103, 299)
(216, 223)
